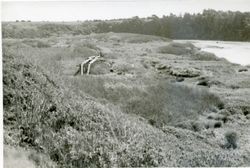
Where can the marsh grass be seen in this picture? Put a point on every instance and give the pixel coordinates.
(160, 102)
(204, 56)
(167, 103)
(109, 129)
(72, 131)
(176, 48)
(36, 43)
(163, 103)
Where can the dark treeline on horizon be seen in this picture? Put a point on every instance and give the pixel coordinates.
(209, 25)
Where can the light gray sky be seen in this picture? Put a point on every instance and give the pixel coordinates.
(110, 9)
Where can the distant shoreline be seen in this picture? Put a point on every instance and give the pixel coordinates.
(229, 50)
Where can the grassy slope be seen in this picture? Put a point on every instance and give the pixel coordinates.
(110, 119)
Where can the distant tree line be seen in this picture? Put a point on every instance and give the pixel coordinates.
(209, 25)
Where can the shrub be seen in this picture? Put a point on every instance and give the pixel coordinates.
(84, 49)
(41, 44)
(217, 124)
(231, 139)
(183, 45)
(91, 85)
(123, 68)
(203, 82)
(176, 48)
(196, 126)
(204, 56)
(169, 104)
(172, 50)
(100, 67)
(164, 103)
(36, 43)
(211, 158)
(185, 72)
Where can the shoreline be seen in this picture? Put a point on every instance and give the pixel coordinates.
(225, 49)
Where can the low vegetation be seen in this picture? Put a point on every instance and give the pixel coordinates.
(127, 117)
(176, 48)
(231, 139)
(45, 29)
(205, 56)
(74, 131)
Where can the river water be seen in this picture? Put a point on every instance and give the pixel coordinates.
(235, 52)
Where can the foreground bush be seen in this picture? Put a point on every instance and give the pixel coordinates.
(75, 130)
(231, 139)
(72, 131)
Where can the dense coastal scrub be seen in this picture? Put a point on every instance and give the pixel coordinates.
(149, 108)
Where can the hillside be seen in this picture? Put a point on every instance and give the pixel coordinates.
(148, 102)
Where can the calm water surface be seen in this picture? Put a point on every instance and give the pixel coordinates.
(235, 52)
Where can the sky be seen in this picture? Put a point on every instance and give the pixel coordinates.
(65, 10)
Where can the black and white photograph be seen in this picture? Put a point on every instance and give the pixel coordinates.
(125, 83)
